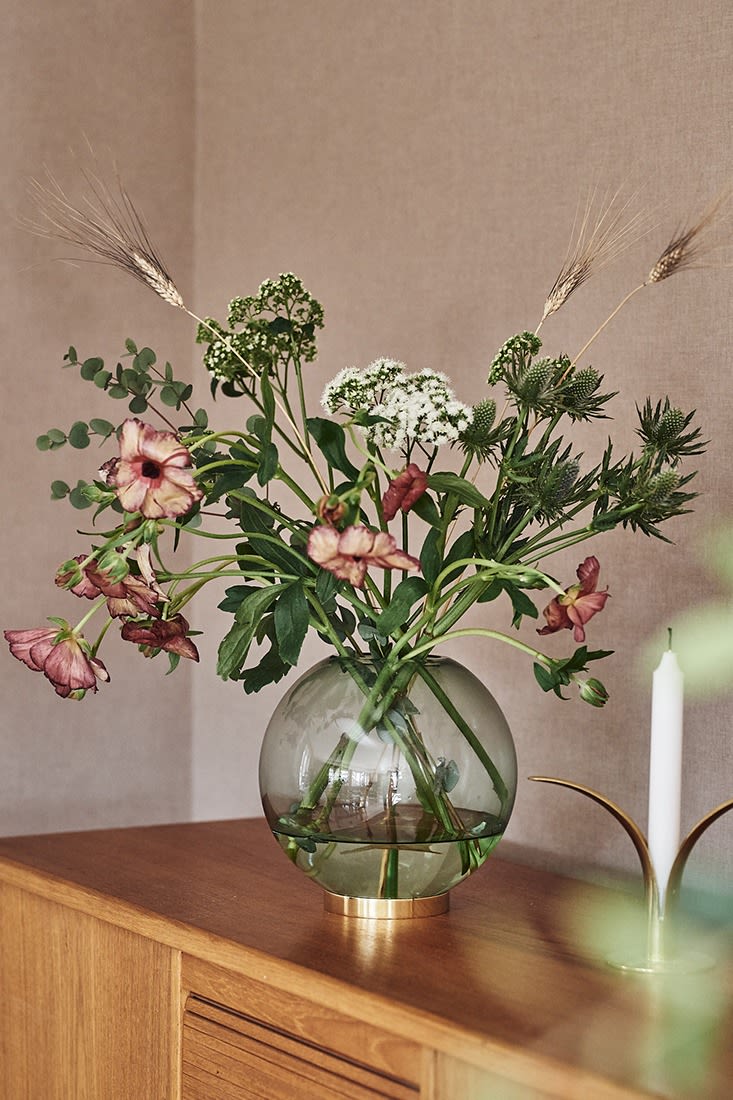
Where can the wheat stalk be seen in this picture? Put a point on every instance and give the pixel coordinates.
(108, 226)
(684, 251)
(690, 245)
(605, 231)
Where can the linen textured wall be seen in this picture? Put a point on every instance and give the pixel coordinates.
(419, 165)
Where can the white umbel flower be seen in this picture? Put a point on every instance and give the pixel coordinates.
(354, 390)
(413, 408)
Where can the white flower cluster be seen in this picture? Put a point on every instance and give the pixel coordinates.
(354, 390)
(413, 408)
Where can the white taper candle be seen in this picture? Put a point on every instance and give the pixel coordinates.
(665, 767)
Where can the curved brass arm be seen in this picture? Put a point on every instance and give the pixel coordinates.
(651, 889)
(675, 875)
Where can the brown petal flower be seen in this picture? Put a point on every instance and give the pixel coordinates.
(129, 596)
(156, 634)
(578, 605)
(153, 474)
(61, 655)
(404, 490)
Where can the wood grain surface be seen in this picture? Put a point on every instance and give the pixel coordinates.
(512, 980)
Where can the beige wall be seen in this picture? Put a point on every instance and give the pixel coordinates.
(121, 75)
(418, 163)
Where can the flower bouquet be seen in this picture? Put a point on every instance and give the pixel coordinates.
(377, 521)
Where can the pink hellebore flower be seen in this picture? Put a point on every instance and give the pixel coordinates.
(579, 604)
(153, 473)
(61, 655)
(404, 491)
(156, 634)
(347, 553)
(129, 596)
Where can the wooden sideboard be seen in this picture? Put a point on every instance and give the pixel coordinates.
(193, 962)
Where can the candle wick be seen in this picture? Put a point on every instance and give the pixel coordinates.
(669, 637)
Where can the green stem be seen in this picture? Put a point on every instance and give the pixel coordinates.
(455, 715)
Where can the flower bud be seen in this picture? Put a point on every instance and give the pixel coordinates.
(592, 691)
(584, 383)
(670, 426)
(533, 379)
(331, 509)
(662, 485)
(483, 418)
(113, 565)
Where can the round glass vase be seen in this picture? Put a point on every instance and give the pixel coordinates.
(388, 787)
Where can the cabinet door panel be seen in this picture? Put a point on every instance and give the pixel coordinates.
(88, 1010)
(228, 1056)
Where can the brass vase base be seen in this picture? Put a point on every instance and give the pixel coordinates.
(385, 908)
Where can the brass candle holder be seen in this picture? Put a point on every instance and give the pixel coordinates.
(661, 955)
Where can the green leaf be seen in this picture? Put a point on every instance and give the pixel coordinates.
(101, 378)
(544, 677)
(43, 443)
(59, 490)
(102, 427)
(268, 400)
(430, 560)
(426, 509)
(131, 346)
(463, 490)
(117, 391)
(79, 435)
(77, 497)
(521, 603)
(397, 611)
(494, 590)
(268, 463)
(331, 441)
(326, 587)
(71, 358)
(169, 396)
(145, 358)
(56, 436)
(292, 618)
(235, 645)
(235, 596)
(90, 367)
(268, 670)
(463, 547)
(138, 404)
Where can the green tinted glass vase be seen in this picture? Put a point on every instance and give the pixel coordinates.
(388, 788)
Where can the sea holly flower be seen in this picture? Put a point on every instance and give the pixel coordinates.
(404, 491)
(152, 635)
(63, 656)
(348, 553)
(153, 473)
(579, 603)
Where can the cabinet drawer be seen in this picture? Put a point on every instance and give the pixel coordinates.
(229, 1056)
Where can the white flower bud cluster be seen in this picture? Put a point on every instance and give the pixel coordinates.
(354, 390)
(413, 408)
